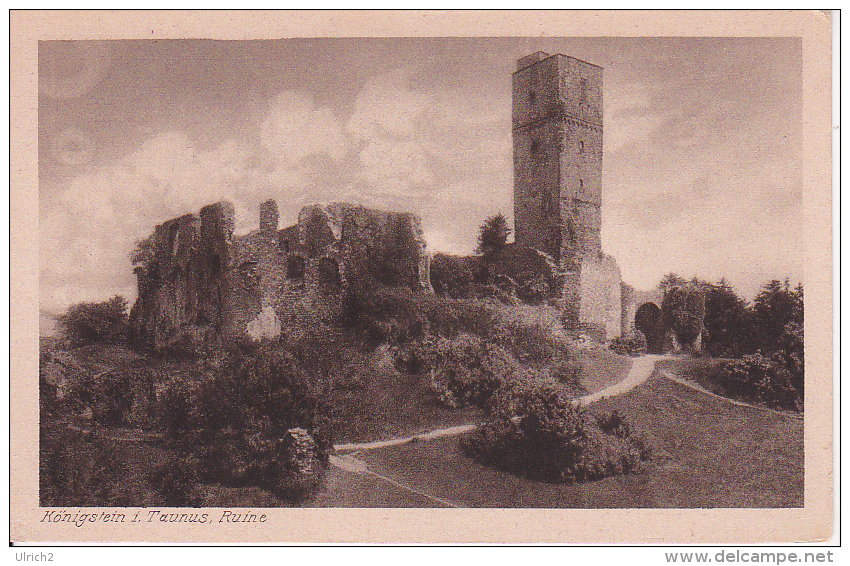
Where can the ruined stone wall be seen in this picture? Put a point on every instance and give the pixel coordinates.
(600, 310)
(523, 264)
(258, 271)
(183, 283)
(592, 298)
(632, 300)
(201, 283)
(373, 245)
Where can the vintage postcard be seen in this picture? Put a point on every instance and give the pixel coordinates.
(471, 277)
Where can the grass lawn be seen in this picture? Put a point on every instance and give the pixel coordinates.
(710, 454)
(389, 404)
(601, 368)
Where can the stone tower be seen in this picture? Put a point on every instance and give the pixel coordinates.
(557, 131)
(557, 135)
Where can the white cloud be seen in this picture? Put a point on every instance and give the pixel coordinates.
(629, 117)
(396, 167)
(294, 128)
(387, 106)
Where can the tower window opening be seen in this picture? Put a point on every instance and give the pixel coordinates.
(581, 147)
(581, 183)
(535, 147)
(532, 98)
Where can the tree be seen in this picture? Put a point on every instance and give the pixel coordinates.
(773, 309)
(727, 333)
(492, 236)
(671, 280)
(683, 308)
(89, 323)
(143, 254)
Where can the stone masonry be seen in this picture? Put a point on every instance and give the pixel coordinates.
(199, 282)
(557, 136)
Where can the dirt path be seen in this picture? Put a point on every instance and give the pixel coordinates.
(640, 371)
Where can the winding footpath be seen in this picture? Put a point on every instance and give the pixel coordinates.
(640, 371)
(346, 453)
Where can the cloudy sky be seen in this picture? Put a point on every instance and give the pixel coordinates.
(701, 145)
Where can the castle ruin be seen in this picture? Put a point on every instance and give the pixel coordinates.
(200, 282)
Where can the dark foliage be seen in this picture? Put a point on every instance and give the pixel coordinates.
(533, 290)
(237, 423)
(399, 315)
(77, 469)
(177, 483)
(534, 429)
(773, 309)
(727, 331)
(633, 344)
(671, 280)
(109, 395)
(390, 255)
(95, 323)
(768, 334)
(531, 344)
(464, 370)
(790, 353)
(684, 310)
(493, 235)
(759, 379)
(452, 276)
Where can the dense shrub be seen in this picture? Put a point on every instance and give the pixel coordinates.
(177, 483)
(385, 314)
(239, 422)
(790, 353)
(399, 315)
(530, 343)
(533, 289)
(77, 469)
(534, 429)
(499, 294)
(464, 370)
(90, 323)
(109, 395)
(452, 276)
(760, 379)
(568, 375)
(633, 344)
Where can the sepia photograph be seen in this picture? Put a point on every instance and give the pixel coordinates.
(504, 272)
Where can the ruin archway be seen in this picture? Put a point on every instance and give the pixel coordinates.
(648, 321)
